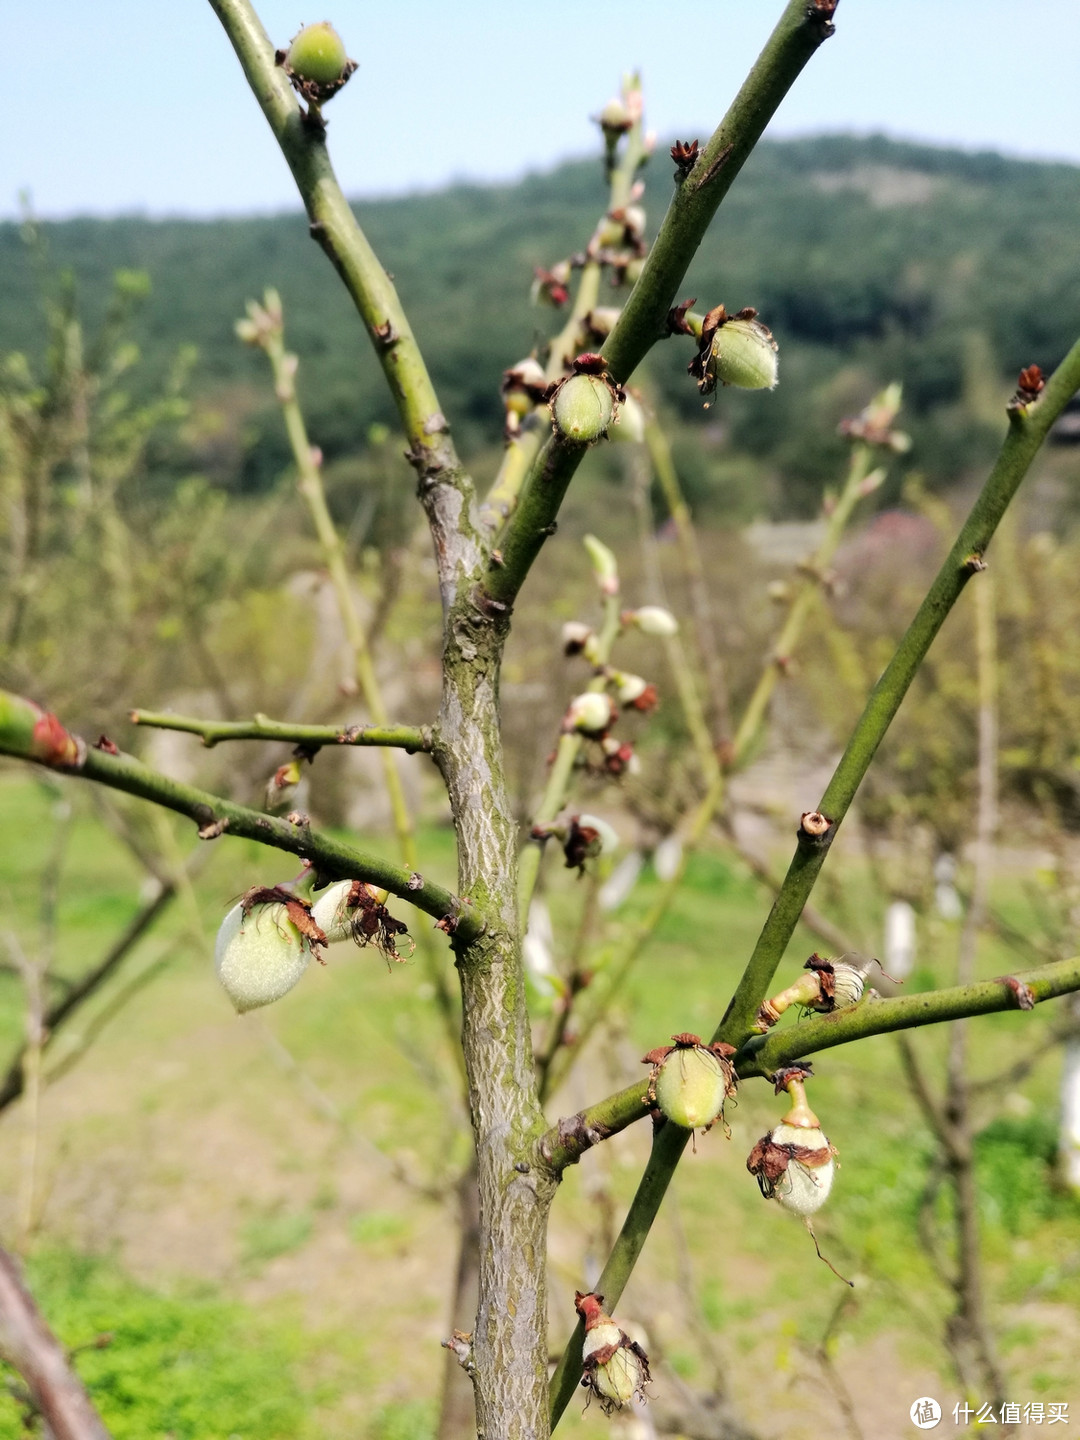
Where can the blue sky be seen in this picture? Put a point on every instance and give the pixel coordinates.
(138, 105)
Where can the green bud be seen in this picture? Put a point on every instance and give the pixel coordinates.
(317, 54)
(584, 407)
(604, 564)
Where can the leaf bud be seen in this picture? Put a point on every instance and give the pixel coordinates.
(591, 714)
(652, 620)
(583, 408)
(690, 1081)
(604, 564)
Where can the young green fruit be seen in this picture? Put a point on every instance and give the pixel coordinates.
(744, 354)
(583, 407)
(261, 951)
(317, 54)
(690, 1081)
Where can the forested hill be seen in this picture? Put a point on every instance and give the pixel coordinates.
(865, 256)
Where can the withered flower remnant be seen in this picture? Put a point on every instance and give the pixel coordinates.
(354, 910)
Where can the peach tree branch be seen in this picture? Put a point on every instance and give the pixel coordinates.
(409, 738)
(29, 733)
(335, 227)
(801, 29)
(1031, 415)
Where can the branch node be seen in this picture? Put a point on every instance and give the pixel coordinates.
(213, 828)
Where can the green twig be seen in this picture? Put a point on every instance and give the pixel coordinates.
(763, 1055)
(643, 321)
(522, 449)
(409, 738)
(1028, 426)
(566, 1142)
(799, 32)
(334, 226)
(30, 734)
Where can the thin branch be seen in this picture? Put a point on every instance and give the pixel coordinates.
(32, 734)
(566, 1142)
(409, 738)
(903, 1012)
(1028, 426)
(333, 224)
(12, 1085)
(643, 321)
(27, 1343)
(798, 34)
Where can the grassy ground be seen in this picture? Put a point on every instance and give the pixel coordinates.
(253, 1207)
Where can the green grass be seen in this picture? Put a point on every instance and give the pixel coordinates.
(291, 1285)
(187, 1366)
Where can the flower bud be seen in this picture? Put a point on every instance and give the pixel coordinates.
(264, 946)
(652, 620)
(616, 1368)
(354, 910)
(583, 408)
(317, 54)
(575, 636)
(690, 1081)
(615, 118)
(587, 837)
(794, 1163)
(590, 714)
(524, 386)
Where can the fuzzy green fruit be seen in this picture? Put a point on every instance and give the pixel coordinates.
(584, 407)
(743, 354)
(317, 54)
(691, 1087)
(259, 956)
